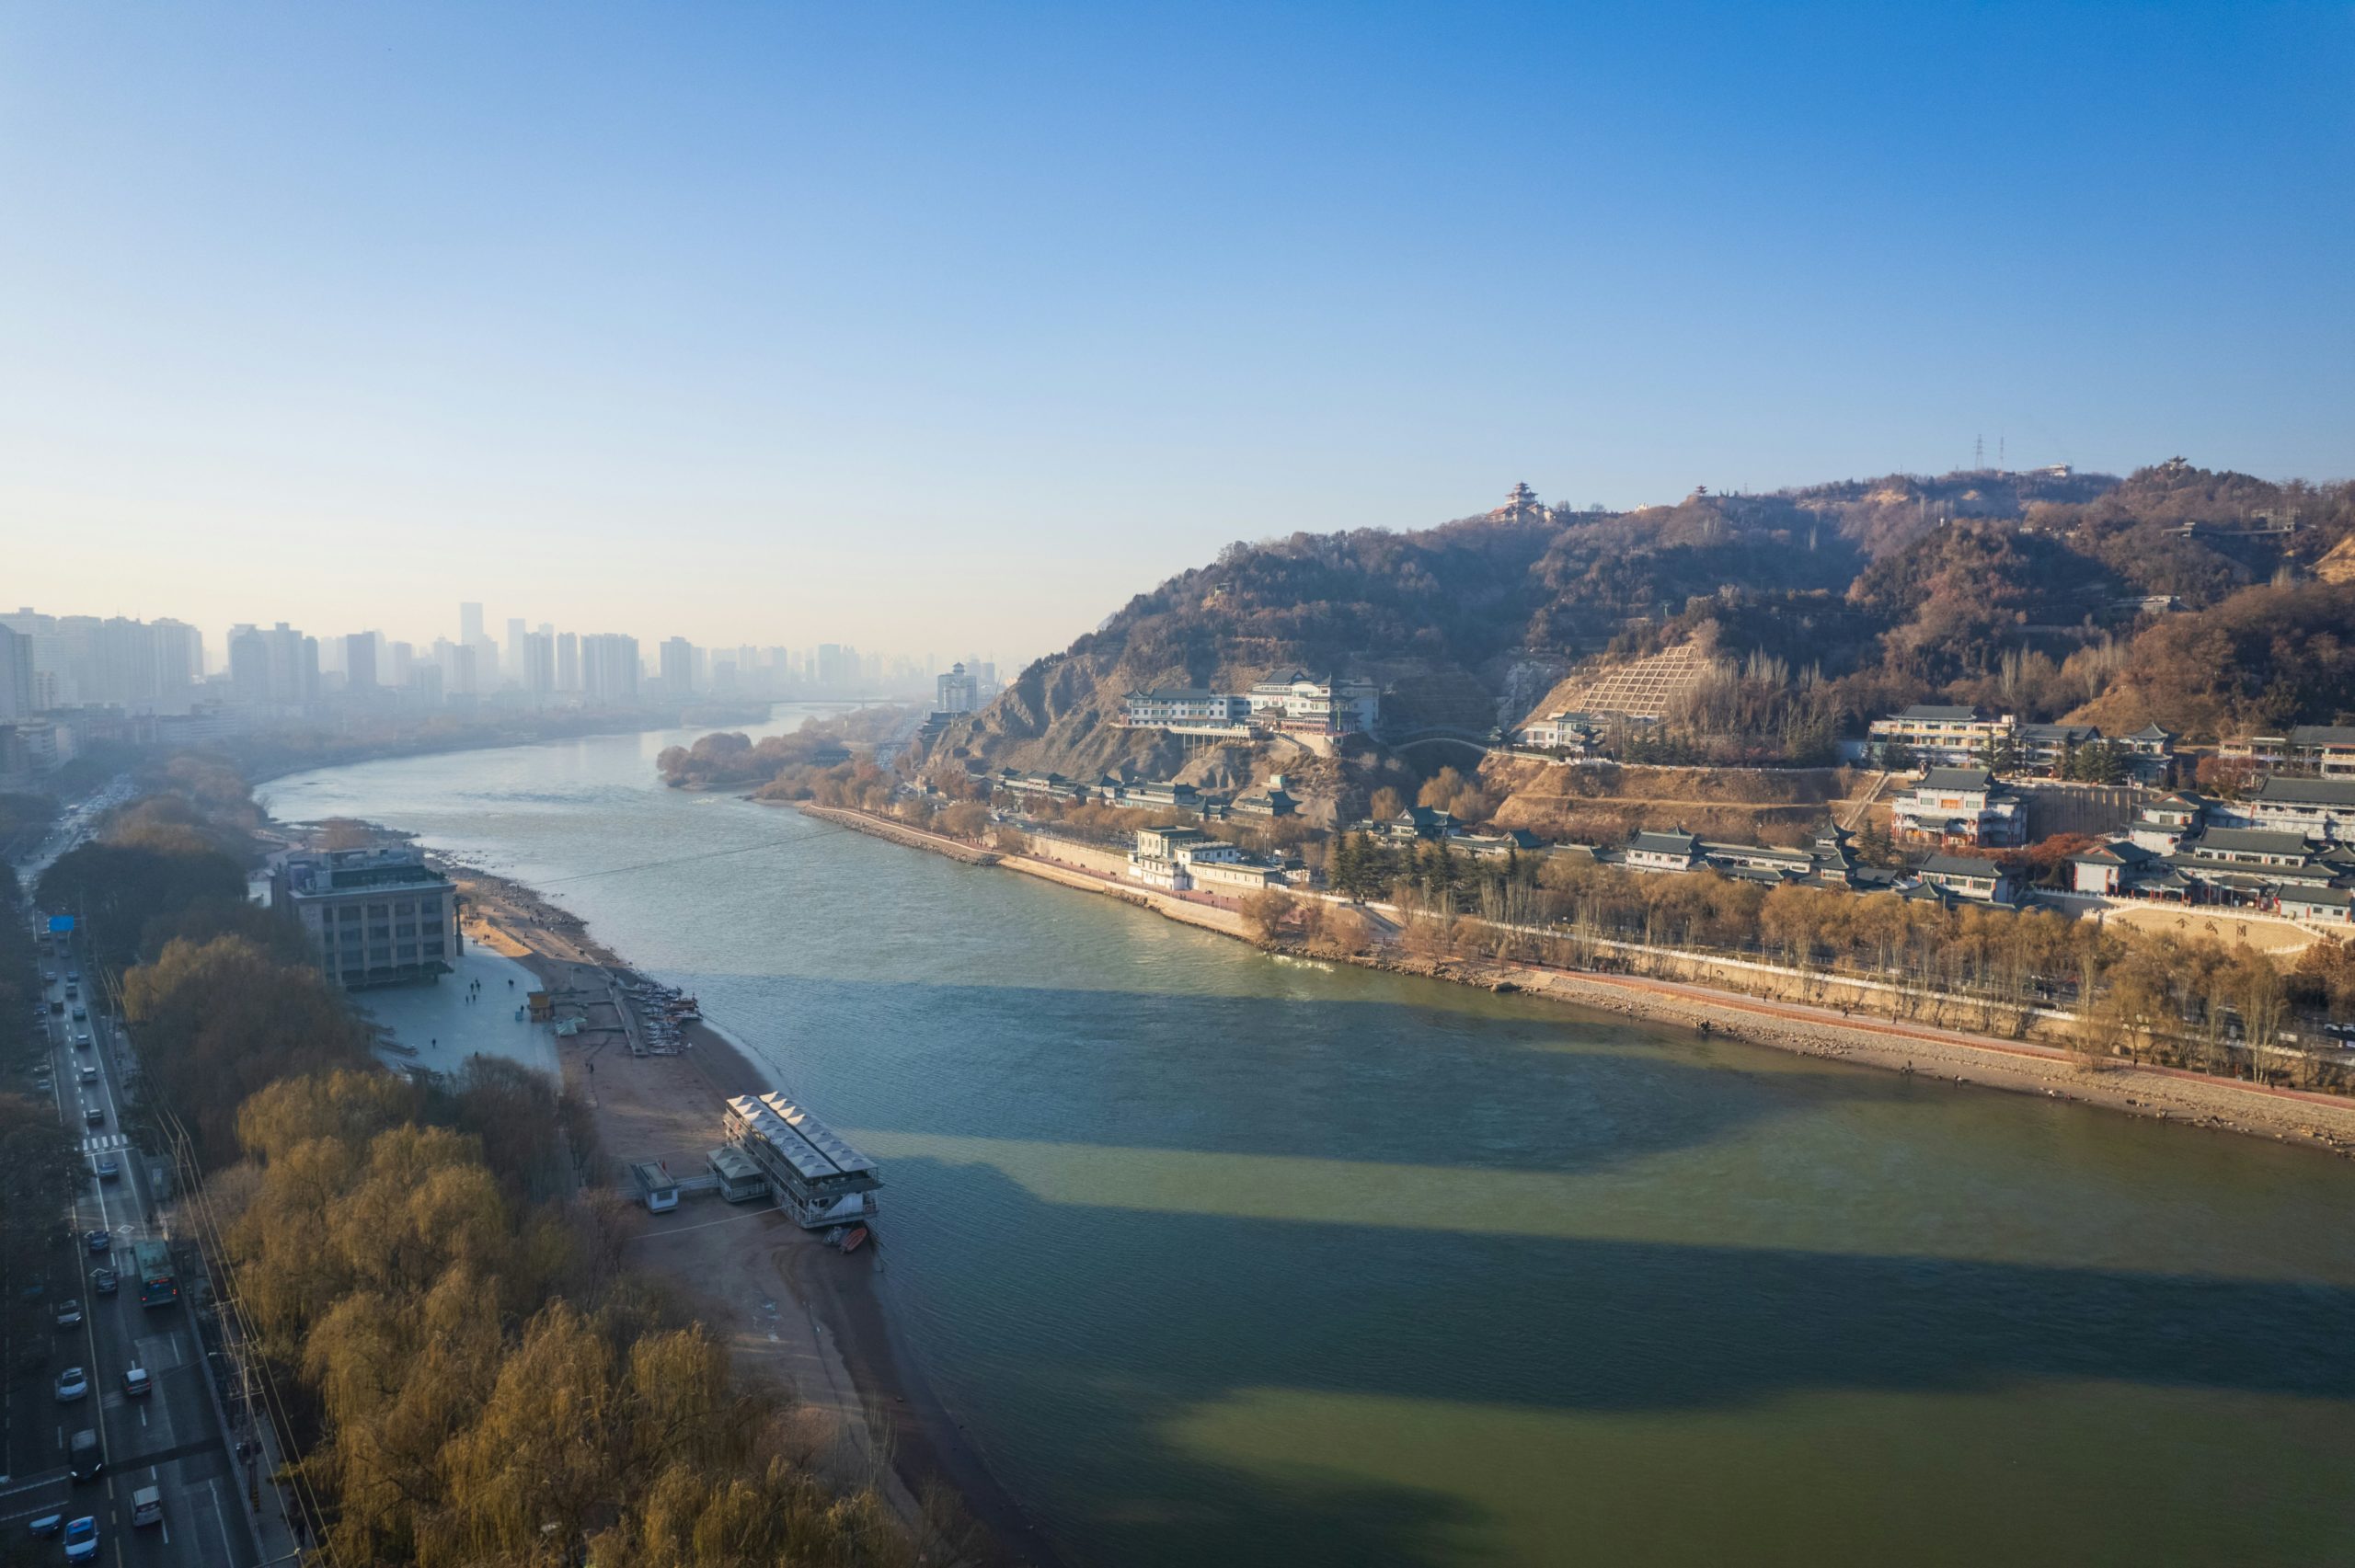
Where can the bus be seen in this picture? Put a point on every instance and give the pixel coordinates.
(156, 1286)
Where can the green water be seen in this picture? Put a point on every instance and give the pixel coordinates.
(1227, 1260)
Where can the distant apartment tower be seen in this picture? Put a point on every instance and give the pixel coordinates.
(469, 623)
(568, 661)
(539, 664)
(609, 669)
(957, 692)
(678, 666)
(360, 662)
(16, 677)
(249, 666)
(511, 666)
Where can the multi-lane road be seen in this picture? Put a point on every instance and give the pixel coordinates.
(170, 1438)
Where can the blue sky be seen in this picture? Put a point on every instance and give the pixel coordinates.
(950, 328)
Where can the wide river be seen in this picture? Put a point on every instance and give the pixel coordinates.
(1228, 1260)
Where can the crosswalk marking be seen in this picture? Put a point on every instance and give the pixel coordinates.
(104, 1142)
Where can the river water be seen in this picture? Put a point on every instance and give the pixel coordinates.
(1224, 1259)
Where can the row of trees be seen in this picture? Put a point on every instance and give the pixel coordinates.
(472, 1374)
(486, 1381)
(2199, 1002)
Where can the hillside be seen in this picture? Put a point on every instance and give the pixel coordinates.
(2049, 592)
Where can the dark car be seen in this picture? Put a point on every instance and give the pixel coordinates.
(95, 1115)
(108, 1167)
(104, 1281)
(99, 1241)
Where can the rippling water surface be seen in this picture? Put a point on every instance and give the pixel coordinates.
(1223, 1259)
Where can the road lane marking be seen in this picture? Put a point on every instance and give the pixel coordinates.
(228, 1551)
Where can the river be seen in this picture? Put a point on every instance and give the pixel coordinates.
(1226, 1259)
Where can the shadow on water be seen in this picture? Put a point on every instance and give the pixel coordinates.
(1442, 1322)
(1559, 1091)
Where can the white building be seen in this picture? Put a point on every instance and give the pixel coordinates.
(2320, 809)
(1297, 700)
(1183, 706)
(1168, 857)
(1958, 805)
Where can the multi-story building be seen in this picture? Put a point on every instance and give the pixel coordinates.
(677, 667)
(1184, 707)
(1939, 736)
(568, 661)
(360, 662)
(609, 669)
(1958, 805)
(959, 692)
(2317, 808)
(16, 676)
(373, 917)
(2325, 749)
(1165, 857)
(1296, 700)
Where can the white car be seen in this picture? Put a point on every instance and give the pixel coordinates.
(82, 1541)
(72, 1384)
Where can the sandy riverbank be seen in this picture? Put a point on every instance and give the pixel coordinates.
(793, 1311)
(2290, 1116)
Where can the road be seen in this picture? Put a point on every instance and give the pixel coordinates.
(171, 1438)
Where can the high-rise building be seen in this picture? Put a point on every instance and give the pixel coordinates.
(678, 668)
(539, 664)
(609, 671)
(511, 668)
(249, 666)
(179, 660)
(460, 667)
(402, 663)
(955, 692)
(16, 677)
(568, 661)
(360, 662)
(469, 624)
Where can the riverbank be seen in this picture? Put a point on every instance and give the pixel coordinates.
(1948, 1055)
(795, 1312)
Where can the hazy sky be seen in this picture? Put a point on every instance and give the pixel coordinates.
(950, 328)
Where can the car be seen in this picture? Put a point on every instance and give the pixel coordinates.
(48, 1524)
(69, 1313)
(82, 1040)
(75, 975)
(72, 1384)
(42, 1086)
(82, 1541)
(95, 1115)
(104, 1281)
(49, 976)
(81, 1016)
(108, 1167)
(98, 1240)
(136, 1382)
(90, 1072)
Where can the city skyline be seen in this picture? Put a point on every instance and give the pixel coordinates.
(927, 328)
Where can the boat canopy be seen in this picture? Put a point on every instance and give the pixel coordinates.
(797, 1148)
